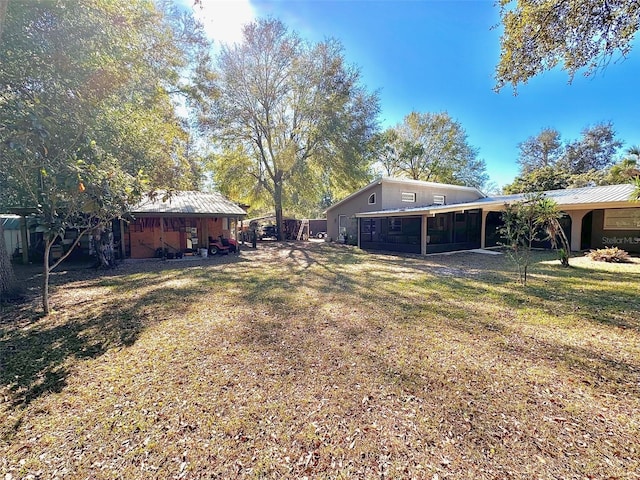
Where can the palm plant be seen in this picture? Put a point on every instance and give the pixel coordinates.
(633, 154)
(635, 195)
(548, 220)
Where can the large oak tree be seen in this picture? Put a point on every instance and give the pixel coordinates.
(431, 147)
(294, 115)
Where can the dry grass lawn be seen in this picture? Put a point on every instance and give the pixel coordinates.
(319, 361)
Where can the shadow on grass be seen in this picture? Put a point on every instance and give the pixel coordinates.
(37, 354)
(450, 288)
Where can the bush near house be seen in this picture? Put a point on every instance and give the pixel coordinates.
(610, 255)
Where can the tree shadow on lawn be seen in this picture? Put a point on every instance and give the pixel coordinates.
(450, 280)
(602, 297)
(593, 296)
(592, 366)
(555, 292)
(35, 352)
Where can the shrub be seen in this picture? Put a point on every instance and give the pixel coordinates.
(609, 254)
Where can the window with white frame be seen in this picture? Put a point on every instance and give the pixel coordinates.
(409, 197)
(372, 199)
(439, 199)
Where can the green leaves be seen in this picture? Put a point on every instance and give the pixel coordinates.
(92, 80)
(296, 110)
(431, 147)
(532, 219)
(86, 106)
(576, 34)
(548, 163)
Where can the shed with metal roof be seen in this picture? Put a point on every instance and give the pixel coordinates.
(179, 223)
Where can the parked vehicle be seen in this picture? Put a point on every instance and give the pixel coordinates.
(222, 245)
(321, 235)
(268, 231)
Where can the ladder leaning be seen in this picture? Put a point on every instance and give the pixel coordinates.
(303, 223)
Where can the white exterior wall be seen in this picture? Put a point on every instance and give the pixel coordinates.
(12, 240)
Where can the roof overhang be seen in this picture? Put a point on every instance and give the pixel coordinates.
(184, 215)
(493, 206)
(23, 211)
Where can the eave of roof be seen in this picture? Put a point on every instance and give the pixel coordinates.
(354, 194)
(609, 196)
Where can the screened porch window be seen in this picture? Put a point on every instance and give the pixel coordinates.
(395, 225)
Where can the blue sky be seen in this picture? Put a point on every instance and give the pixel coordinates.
(432, 56)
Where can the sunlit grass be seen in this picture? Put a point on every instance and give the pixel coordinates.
(328, 362)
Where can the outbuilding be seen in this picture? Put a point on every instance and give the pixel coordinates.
(180, 222)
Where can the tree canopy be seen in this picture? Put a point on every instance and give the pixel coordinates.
(548, 163)
(291, 113)
(86, 108)
(575, 34)
(430, 147)
(540, 151)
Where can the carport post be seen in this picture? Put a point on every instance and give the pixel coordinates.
(423, 234)
(483, 229)
(123, 250)
(235, 223)
(163, 256)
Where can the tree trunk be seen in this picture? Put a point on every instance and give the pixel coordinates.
(46, 270)
(277, 200)
(8, 283)
(103, 245)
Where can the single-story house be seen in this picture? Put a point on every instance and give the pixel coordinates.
(182, 222)
(425, 217)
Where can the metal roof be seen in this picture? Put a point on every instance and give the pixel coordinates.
(10, 222)
(605, 194)
(188, 203)
(585, 197)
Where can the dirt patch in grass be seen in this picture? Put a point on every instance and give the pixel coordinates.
(322, 361)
